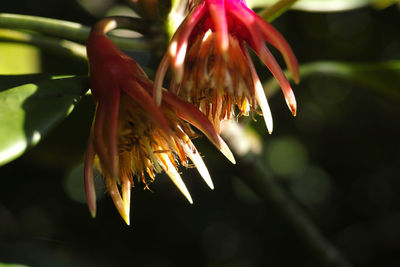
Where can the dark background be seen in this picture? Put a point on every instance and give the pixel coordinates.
(339, 159)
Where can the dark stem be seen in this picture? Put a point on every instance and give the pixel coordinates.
(262, 182)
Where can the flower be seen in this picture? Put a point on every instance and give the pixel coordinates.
(212, 67)
(131, 135)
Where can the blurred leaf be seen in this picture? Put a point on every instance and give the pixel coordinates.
(316, 5)
(12, 265)
(19, 59)
(176, 16)
(383, 78)
(9, 81)
(29, 111)
(69, 30)
(33, 40)
(380, 4)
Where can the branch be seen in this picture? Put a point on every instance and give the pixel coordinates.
(255, 175)
(272, 12)
(69, 30)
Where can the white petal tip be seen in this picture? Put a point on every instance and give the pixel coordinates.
(269, 124)
(176, 178)
(226, 151)
(194, 155)
(93, 214)
(127, 221)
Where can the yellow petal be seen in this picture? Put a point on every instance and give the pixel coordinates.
(223, 147)
(126, 198)
(262, 101)
(170, 169)
(116, 197)
(195, 157)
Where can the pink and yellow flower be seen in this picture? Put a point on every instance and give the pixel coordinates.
(131, 135)
(212, 67)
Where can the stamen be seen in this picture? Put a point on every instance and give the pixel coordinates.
(153, 158)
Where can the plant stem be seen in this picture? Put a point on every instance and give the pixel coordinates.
(68, 30)
(272, 12)
(257, 177)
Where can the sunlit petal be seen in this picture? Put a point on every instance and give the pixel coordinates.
(169, 168)
(117, 199)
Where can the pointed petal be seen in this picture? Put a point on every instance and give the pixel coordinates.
(226, 151)
(195, 157)
(158, 81)
(191, 114)
(178, 45)
(218, 15)
(251, 21)
(268, 59)
(116, 197)
(126, 197)
(143, 98)
(272, 36)
(248, 20)
(98, 137)
(88, 174)
(201, 167)
(262, 101)
(112, 133)
(173, 174)
(259, 92)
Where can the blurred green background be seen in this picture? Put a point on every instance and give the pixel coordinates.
(339, 159)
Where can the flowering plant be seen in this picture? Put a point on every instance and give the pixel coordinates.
(211, 64)
(131, 135)
(140, 93)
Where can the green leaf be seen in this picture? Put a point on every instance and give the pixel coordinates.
(30, 41)
(18, 58)
(12, 265)
(380, 4)
(176, 16)
(9, 81)
(66, 30)
(382, 77)
(316, 5)
(29, 111)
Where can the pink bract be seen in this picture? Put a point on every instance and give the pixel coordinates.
(207, 34)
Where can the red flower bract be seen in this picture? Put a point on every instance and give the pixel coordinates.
(212, 67)
(131, 135)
